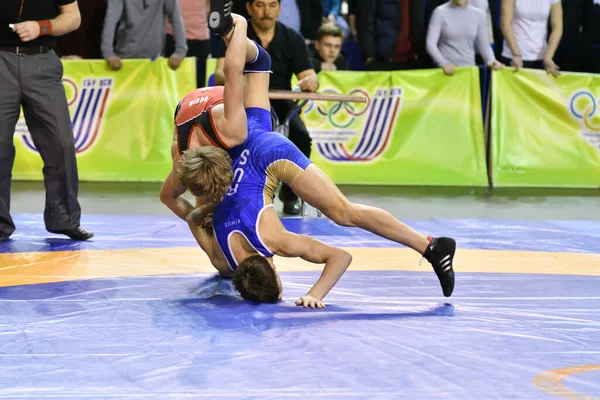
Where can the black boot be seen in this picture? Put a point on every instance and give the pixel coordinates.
(440, 254)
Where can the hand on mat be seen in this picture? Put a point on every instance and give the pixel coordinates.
(27, 31)
(309, 301)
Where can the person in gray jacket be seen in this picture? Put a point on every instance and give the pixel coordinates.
(454, 31)
(136, 29)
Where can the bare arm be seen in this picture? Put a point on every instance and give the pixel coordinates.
(200, 223)
(201, 228)
(67, 20)
(556, 21)
(172, 189)
(234, 125)
(219, 75)
(312, 250)
(508, 12)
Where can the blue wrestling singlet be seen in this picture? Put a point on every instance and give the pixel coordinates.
(259, 164)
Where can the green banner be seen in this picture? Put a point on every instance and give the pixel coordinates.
(418, 128)
(545, 131)
(122, 121)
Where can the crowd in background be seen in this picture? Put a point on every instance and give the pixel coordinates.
(376, 34)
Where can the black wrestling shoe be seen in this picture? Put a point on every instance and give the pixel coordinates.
(220, 21)
(77, 233)
(440, 254)
(4, 237)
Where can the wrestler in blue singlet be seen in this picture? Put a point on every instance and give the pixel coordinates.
(264, 159)
(258, 165)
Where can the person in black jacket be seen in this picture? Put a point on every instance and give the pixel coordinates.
(591, 34)
(392, 34)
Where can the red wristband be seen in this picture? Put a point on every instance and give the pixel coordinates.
(45, 27)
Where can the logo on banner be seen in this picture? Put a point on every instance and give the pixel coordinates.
(334, 126)
(585, 108)
(87, 105)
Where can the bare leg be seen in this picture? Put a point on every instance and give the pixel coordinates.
(256, 84)
(315, 187)
(251, 51)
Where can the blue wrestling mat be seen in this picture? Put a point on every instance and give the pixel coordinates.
(523, 322)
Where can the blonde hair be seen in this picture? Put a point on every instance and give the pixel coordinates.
(206, 171)
(330, 29)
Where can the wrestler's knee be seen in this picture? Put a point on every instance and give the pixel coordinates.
(343, 213)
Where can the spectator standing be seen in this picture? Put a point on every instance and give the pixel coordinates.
(591, 34)
(332, 13)
(85, 42)
(352, 24)
(454, 29)
(394, 34)
(303, 16)
(31, 77)
(570, 54)
(195, 21)
(484, 6)
(136, 29)
(525, 27)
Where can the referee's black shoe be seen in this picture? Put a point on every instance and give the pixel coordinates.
(77, 233)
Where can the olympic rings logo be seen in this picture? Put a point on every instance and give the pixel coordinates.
(318, 112)
(584, 106)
